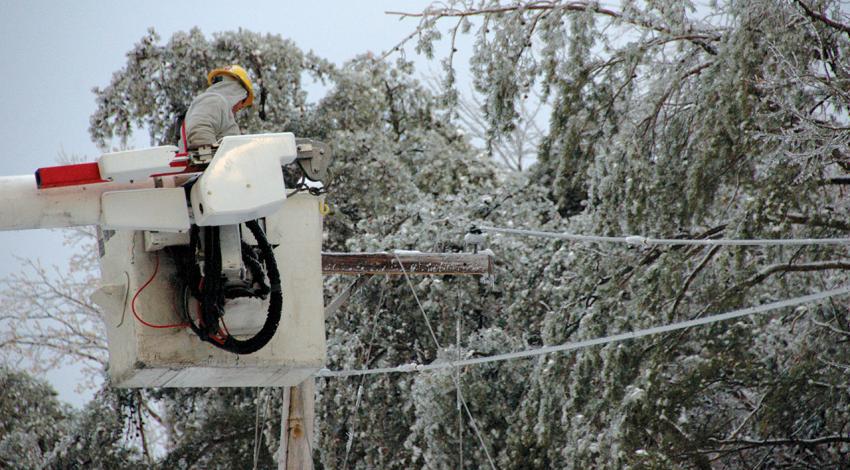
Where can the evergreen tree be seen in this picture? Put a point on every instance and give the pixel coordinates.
(32, 419)
(671, 120)
(36, 431)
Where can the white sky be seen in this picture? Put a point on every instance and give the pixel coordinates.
(55, 52)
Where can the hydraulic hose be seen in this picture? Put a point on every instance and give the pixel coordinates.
(259, 340)
(210, 291)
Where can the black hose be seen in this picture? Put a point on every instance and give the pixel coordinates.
(258, 287)
(258, 341)
(210, 291)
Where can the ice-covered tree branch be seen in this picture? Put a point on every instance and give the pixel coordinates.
(811, 13)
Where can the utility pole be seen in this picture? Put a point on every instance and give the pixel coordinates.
(296, 437)
(298, 408)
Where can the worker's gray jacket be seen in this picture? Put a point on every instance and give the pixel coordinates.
(210, 116)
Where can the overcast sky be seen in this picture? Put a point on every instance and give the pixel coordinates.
(55, 52)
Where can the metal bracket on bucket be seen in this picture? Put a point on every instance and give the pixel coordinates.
(314, 157)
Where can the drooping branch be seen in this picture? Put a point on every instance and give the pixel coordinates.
(702, 39)
(768, 271)
(815, 221)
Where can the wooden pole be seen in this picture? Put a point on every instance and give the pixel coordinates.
(415, 263)
(284, 428)
(296, 443)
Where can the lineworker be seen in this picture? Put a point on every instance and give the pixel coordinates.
(211, 115)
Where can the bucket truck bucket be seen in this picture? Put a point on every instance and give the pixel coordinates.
(149, 342)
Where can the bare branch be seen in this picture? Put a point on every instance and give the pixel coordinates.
(823, 18)
(691, 278)
(768, 271)
(832, 328)
(747, 418)
(47, 315)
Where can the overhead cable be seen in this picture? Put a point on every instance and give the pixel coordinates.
(455, 378)
(642, 240)
(571, 346)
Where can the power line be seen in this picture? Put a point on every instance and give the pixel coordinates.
(456, 380)
(642, 240)
(571, 346)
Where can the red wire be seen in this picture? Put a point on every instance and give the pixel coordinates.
(133, 302)
(200, 316)
(216, 337)
(224, 326)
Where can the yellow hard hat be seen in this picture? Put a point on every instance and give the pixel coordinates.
(239, 74)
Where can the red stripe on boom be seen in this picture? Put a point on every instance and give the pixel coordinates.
(68, 175)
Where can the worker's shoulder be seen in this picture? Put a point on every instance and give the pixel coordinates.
(208, 98)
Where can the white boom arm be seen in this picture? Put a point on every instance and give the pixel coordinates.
(23, 206)
(242, 182)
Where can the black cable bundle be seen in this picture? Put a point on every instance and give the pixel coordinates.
(259, 340)
(211, 292)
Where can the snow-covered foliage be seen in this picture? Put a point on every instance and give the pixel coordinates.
(160, 80)
(672, 119)
(32, 420)
(36, 431)
(668, 119)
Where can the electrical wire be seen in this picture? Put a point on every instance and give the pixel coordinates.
(138, 292)
(259, 425)
(124, 302)
(472, 420)
(458, 395)
(642, 240)
(571, 346)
